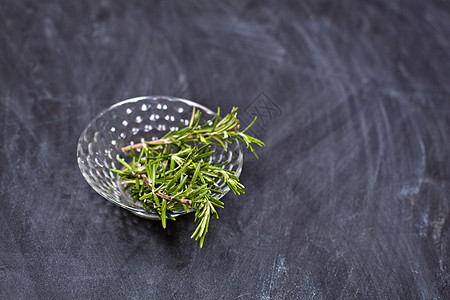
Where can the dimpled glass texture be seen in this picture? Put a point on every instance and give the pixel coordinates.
(133, 121)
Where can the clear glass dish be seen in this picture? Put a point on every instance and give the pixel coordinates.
(130, 122)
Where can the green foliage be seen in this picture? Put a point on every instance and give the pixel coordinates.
(174, 173)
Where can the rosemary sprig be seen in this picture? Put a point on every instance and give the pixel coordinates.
(174, 173)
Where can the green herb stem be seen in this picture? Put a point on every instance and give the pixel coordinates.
(174, 173)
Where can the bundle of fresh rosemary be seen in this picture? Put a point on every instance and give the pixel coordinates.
(175, 172)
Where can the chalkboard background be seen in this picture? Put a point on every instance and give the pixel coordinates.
(350, 198)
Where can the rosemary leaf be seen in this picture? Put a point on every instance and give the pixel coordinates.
(176, 173)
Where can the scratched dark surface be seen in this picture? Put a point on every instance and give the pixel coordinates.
(350, 198)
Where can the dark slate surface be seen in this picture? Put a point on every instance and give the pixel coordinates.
(350, 198)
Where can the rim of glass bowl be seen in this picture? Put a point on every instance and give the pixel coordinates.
(138, 210)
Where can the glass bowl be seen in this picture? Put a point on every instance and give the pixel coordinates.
(133, 121)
